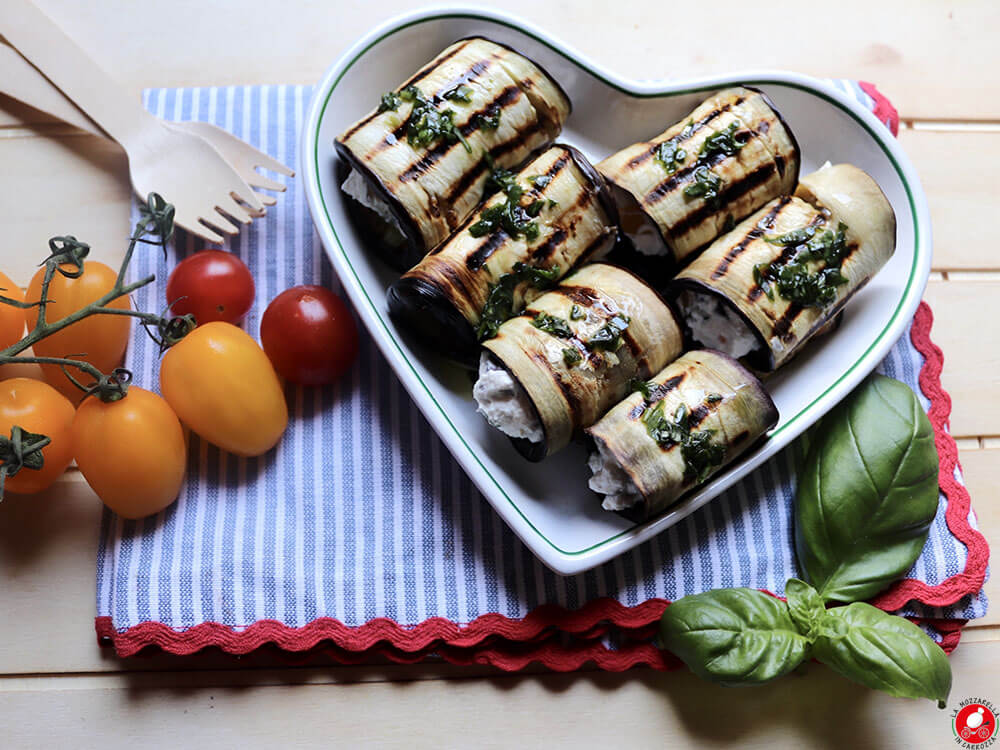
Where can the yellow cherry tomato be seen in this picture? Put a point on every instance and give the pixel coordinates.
(11, 318)
(37, 407)
(223, 386)
(132, 452)
(101, 338)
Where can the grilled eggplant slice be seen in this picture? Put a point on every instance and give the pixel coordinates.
(554, 215)
(680, 190)
(763, 290)
(571, 355)
(695, 416)
(417, 166)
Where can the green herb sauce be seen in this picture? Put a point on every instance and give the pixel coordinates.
(552, 325)
(793, 278)
(669, 156)
(508, 215)
(706, 185)
(500, 305)
(700, 453)
(609, 336)
(571, 356)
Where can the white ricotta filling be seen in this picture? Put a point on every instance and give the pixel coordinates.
(361, 190)
(504, 403)
(608, 478)
(716, 326)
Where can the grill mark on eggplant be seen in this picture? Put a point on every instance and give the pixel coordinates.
(471, 176)
(698, 415)
(506, 96)
(740, 437)
(648, 154)
(452, 279)
(548, 248)
(731, 192)
(783, 325)
(418, 76)
(737, 250)
(679, 177)
(557, 166)
(656, 393)
(571, 399)
(580, 295)
(487, 247)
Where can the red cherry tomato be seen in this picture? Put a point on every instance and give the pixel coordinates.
(309, 334)
(211, 285)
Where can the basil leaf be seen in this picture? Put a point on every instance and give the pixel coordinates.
(884, 652)
(805, 607)
(733, 636)
(868, 492)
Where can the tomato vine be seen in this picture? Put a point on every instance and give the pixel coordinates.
(22, 450)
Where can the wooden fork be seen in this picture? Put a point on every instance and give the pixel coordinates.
(20, 80)
(210, 197)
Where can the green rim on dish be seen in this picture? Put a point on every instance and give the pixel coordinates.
(645, 95)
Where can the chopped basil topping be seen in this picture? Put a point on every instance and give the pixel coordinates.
(540, 181)
(645, 387)
(609, 336)
(390, 102)
(576, 313)
(500, 300)
(670, 156)
(713, 398)
(426, 124)
(498, 177)
(571, 355)
(721, 142)
(461, 93)
(792, 277)
(552, 203)
(490, 120)
(729, 224)
(508, 215)
(706, 185)
(789, 239)
(553, 325)
(701, 455)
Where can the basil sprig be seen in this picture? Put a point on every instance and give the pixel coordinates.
(868, 492)
(867, 496)
(743, 636)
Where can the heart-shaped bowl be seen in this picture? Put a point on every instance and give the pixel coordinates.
(548, 505)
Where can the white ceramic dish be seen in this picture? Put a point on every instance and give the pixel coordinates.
(548, 504)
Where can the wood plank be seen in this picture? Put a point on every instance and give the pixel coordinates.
(964, 326)
(941, 49)
(55, 186)
(958, 198)
(981, 469)
(639, 708)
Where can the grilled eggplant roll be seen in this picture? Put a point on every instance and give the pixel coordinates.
(680, 190)
(551, 217)
(695, 416)
(571, 355)
(764, 289)
(417, 166)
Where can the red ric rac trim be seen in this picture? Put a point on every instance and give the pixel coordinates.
(883, 110)
(565, 640)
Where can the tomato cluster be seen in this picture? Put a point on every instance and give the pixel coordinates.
(131, 444)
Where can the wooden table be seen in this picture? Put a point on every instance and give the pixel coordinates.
(938, 63)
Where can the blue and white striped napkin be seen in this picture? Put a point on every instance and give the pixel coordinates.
(361, 513)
